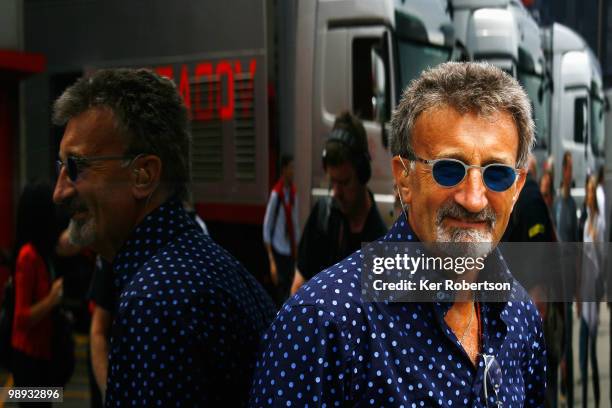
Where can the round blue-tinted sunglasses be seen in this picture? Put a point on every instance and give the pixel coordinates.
(450, 172)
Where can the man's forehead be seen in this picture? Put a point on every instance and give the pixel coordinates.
(439, 115)
(90, 132)
(443, 130)
(342, 170)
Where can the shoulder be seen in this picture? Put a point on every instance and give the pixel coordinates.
(319, 214)
(328, 310)
(199, 272)
(334, 293)
(30, 256)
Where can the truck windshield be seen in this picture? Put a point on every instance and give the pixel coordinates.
(414, 57)
(540, 102)
(597, 126)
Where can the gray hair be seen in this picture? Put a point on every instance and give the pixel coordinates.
(148, 110)
(467, 87)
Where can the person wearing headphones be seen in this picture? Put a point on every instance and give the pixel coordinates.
(339, 223)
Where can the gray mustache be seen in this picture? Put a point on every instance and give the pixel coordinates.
(454, 210)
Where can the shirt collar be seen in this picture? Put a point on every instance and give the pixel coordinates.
(158, 228)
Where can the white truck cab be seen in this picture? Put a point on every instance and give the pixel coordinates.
(358, 55)
(577, 106)
(556, 67)
(503, 33)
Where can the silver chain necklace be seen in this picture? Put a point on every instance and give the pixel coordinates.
(467, 327)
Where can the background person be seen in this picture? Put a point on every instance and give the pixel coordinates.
(37, 290)
(547, 188)
(590, 282)
(337, 225)
(103, 301)
(530, 222)
(566, 223)
(281, 230)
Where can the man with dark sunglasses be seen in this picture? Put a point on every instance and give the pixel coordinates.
(461, 135)
(188, 316)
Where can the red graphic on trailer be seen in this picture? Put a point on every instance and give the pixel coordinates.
(218, 77)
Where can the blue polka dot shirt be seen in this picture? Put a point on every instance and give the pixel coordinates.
(328, 348)
(189, 320)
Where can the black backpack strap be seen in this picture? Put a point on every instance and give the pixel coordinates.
(273, 225)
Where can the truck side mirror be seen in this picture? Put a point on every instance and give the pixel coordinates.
(378, 85)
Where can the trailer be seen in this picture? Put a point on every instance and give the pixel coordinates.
(259, 78)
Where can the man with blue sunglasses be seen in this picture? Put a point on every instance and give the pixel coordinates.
(460, 140)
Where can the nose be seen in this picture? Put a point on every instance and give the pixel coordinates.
(471, 193)
(64, 188)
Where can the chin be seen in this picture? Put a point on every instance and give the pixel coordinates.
(82, 233)
(472, 243)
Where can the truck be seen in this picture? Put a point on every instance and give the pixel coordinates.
(362, 55)
(557, 69)
(577, 105)
(503, 33)
(259, 78)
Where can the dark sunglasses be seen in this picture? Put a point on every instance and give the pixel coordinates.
(450, 172)
(74, 165)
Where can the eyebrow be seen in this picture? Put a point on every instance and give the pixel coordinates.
(462, 157)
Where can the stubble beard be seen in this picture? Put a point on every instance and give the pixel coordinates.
(82, 233)
(465, 242)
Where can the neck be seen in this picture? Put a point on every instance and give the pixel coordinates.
(109, 250)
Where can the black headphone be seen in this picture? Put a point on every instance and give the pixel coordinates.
(360, 156)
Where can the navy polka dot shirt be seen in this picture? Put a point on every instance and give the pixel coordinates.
(328, 348)
(189, 319)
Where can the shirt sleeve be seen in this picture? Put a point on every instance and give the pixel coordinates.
(534, 365)
(305, 361)
(267, 223)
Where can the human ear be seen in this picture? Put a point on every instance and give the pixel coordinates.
(402, 175)
(146, 176)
